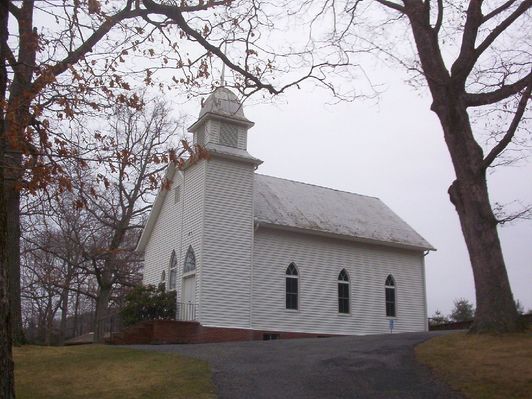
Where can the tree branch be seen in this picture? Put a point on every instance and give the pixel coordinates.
(498, 10)
(439, 19)
(501, 145)
(479, 99)
(392, 5)
(85, 47)
(523, 7)
(465, 59)
(14, 10)
(176, 15)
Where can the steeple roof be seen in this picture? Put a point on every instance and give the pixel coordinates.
(222, 104)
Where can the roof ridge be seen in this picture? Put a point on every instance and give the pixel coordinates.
(315, 185)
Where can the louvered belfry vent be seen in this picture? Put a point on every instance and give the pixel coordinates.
(228, 135)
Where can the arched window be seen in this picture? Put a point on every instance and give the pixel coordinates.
(291, 287)
(173, 271)
(190, 261)
(389, 288)
(343, 292)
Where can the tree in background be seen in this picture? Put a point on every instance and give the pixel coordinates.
(134, 148)
(463, 310)
(91, 231)
(52, 263)
(438, 318)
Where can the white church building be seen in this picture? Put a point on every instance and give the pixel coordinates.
(248, 251)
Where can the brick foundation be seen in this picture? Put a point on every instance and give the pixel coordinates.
(191, 332)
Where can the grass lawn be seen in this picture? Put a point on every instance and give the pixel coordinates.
(482, 366)
(98, 371)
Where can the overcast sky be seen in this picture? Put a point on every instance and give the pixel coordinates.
(394, 150)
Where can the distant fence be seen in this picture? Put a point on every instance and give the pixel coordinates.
(465, 325)
(455, 325)
(112, 323)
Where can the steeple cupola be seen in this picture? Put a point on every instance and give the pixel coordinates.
(222, 126)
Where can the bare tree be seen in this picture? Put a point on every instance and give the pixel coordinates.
(92, 231)
(475, 60)
(7, 378)
(52, 259)
(136, 147)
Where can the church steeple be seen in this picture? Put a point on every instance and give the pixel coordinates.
(222, 126)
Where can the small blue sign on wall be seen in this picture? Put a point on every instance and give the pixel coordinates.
(391, 323)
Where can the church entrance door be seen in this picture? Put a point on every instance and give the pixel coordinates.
(188, 311)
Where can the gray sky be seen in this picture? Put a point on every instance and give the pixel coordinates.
(393, 150)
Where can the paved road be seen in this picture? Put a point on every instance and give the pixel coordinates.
(376, 366)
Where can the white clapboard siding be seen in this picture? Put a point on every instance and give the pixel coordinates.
(165, 236)
(319, 261)
(192, 224)
(173, 232)
(228, 236)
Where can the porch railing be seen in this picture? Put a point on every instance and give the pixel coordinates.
(186, 311)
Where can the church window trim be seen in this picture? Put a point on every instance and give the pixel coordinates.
(344, 293)
(189, 265)
(390, 297)
(172, 273)
(292, 287)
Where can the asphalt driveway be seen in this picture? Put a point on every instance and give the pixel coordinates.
(375, 366)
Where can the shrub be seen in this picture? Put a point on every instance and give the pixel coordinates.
(463, 310)
(148, 303)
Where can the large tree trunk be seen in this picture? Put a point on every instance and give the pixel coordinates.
(496, 311)
(49, 320)
(13, 256)
(64, 314)
(75, 327)
(102, 307)
(17, 119)
(7, 378)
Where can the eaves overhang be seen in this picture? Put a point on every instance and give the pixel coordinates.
(365, 240)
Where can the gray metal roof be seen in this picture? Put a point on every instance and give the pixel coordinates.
(301, 206)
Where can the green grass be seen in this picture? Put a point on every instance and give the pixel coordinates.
(482, 366)
(97, 371)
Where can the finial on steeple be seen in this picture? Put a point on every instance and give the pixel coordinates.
(222, 79)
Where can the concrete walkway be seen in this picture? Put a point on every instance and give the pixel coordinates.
(376, 366)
